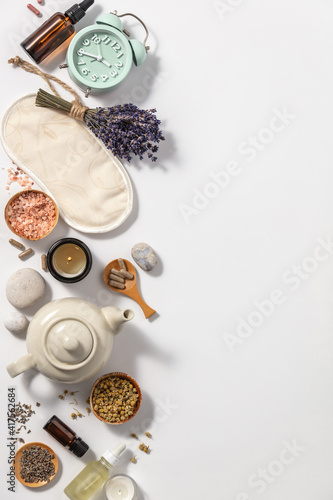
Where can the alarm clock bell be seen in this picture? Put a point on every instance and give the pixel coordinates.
(138, 48)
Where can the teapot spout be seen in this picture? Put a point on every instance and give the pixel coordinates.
(115, 317)
(21, 365)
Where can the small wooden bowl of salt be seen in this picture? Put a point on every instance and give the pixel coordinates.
(31, 214)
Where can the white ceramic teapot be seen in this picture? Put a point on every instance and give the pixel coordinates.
(69, 340)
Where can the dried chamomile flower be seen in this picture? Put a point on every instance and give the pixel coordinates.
(144, 447)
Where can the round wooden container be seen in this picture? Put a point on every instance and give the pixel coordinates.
(20, 194)
(17, 465)
(122, 376)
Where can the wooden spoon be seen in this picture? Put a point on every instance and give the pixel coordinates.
(131, 289)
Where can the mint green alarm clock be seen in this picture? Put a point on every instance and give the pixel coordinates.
(100, 56)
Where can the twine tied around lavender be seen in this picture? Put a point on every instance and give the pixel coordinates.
(124, 129)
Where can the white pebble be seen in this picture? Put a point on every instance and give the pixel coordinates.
(144, 256)
(16, 322)
(25, 287)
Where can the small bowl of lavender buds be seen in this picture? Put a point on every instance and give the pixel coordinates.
(36, 464)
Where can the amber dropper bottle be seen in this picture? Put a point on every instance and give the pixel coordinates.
(65, 436)
(55, 31)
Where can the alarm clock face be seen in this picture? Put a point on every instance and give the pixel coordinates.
(99, 58)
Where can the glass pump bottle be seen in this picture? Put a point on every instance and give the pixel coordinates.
(94, 475)
(55, 31)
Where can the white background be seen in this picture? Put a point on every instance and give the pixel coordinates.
(223, 410)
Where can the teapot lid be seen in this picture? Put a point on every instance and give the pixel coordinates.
(68, 342)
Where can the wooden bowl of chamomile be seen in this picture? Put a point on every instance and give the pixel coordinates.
(31, 214)
(36, 467)
(106, 392)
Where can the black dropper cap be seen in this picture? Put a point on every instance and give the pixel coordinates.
(79, 447)
(78, 11)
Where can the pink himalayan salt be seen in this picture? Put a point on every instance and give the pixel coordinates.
(32, 215)
(15, 174)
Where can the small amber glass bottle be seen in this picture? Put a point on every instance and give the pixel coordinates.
(55, 31)
(65, 436)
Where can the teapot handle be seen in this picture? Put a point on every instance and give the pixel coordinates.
(21, 365)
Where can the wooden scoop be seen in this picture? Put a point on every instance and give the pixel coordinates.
(131, 289)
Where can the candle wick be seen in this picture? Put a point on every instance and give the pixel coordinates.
(69, 259)
(119, 492)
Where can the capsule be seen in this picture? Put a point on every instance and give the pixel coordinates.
(16, 244)
(116, 272)
(126, 274)
(122, 264)
(33, 9)
(25, 253)
(44, 262)
(114, 277)
(115, 284)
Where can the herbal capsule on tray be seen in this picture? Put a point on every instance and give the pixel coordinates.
(114, 277)
(116, 272)
(122, 264)
(126, 274)
(115, 284)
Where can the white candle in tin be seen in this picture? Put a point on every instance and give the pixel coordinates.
(120, 487)
(69, 260)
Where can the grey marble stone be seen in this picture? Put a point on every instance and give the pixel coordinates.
(25, 287)
(16, 322)
(144, 256)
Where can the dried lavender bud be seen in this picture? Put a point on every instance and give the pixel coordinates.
(36, 465)
(21, 415)
(126, 130)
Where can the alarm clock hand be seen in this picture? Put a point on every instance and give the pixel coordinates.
(104, 61)
(84, 53)
(96, 57)
(100, 56)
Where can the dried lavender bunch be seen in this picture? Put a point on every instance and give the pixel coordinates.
(125, 129)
